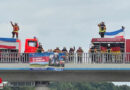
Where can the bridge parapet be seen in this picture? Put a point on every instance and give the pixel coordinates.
(85, 58)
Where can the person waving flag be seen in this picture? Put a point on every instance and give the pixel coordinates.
(117, 33)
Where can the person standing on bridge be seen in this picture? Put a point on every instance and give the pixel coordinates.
(40, 49)
(102, 29)
(64, 50)
(93, 52)
(57, 50)
(15, 29)
(80, 54)
(109, 53)
(71, 54)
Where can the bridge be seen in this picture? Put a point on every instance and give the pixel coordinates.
(88, 67)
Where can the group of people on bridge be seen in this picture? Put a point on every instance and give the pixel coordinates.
(69, 54)
(108, 52)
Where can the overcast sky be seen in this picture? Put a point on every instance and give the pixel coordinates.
(63, 22)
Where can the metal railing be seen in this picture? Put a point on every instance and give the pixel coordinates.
(91, 58)
(14, 58)
(21, 84)
(85, 58)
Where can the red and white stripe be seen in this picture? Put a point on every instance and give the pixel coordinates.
(9, 45)
(120, 35)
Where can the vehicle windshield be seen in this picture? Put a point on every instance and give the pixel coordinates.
(32, 43)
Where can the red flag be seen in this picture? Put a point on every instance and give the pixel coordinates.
(115, 48)
(103, 49)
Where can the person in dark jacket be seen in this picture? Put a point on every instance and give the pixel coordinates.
(93, 52)
(40, 49)
(64, 50)
(71, 54)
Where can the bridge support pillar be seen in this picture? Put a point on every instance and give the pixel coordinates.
(40, 85)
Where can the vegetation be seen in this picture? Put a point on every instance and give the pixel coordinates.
(77, 86)
(86, 86)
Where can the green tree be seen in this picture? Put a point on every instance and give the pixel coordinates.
(86, 86)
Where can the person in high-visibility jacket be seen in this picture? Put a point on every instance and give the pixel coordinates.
(102, 29)
(15, 29)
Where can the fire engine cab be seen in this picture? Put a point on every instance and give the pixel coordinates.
(31, 45)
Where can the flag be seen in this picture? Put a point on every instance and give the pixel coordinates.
(8, 43)
(103, 49)
(117, 33)
(115, 49)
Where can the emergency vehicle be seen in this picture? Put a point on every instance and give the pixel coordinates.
(14, 45)
(120, 44)
(112, 46)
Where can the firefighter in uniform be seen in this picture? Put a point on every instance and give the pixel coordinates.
(71, 54)
(40, 49)
(64, 50)
(109, 53)
(102, 29)
(15, 29)
(57, 50)
(93, 52)
(80, 54)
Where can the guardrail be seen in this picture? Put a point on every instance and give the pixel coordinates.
(85, 58)
(14, 58)
(88, 58)
(21, 84)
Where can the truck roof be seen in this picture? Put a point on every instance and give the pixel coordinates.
(102, 40)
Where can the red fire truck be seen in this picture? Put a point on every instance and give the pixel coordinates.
(10, 49)
(111, 46)
(14, 45)
(123, 43)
